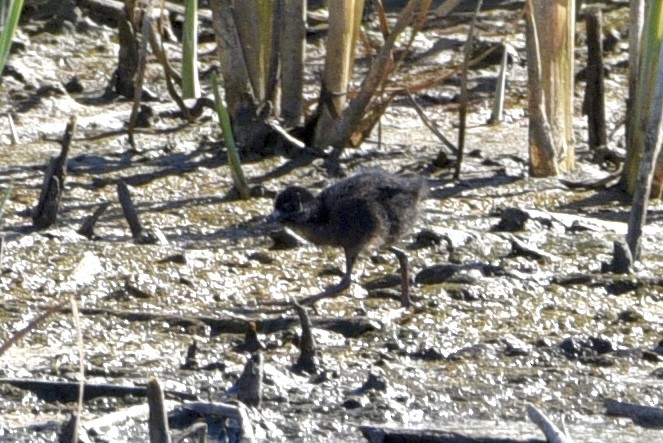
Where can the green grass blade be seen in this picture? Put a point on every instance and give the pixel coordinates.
(226, 128)
(11, 24)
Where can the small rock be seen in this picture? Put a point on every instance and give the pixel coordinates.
(572, 347)
(659, 348)
(376, 381)
(650, 356)
(393, 346)
(259, 191)
(515, 347)
(622, 260)
(630, 316)
(384, 281)
(442, 160)
(426, 238)
(602, 361)
(87, 269)
(428, 354)
(465, 293)
(435, 274)
(135, 287)
(261, 257)
(355, 402)
(321, 377)
(151, 236)
(572, 279)
(591, 351)
(74, 85)
(619, 287)
(544, 342)
(512, 220)
(145, 117)
(601, 345)
(178, 258)
(186, 281)
(52, 89)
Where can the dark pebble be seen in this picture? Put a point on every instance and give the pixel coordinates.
(375, 382)
(602, 361)
(178, 258)
(659, 348)
(601, 345)
(512, 220)
(261, 257)
(630, 316)
(428, 354)
(435, 274)
(650, 356)
(469, 293)
(620, 287)
(74, 86)
(355, 402)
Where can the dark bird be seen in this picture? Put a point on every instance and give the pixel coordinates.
(369, 209)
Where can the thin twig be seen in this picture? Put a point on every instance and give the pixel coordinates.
(431, 125)
(12, 131)
(463, 91)
(287, 136)
(32, 325)
(156, 42)
(140, 73)
(427, 84)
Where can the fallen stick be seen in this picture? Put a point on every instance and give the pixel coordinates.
(350, 327)
(645, 416)
(237, 412)
(67, 391)
(47, 312)
(379, 434)
(521, 249)
(98, 426)
(431, 125)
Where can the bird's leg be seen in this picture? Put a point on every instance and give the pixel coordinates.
(333, 291)
(405, 277)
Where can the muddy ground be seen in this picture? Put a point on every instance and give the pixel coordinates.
(492, 330)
